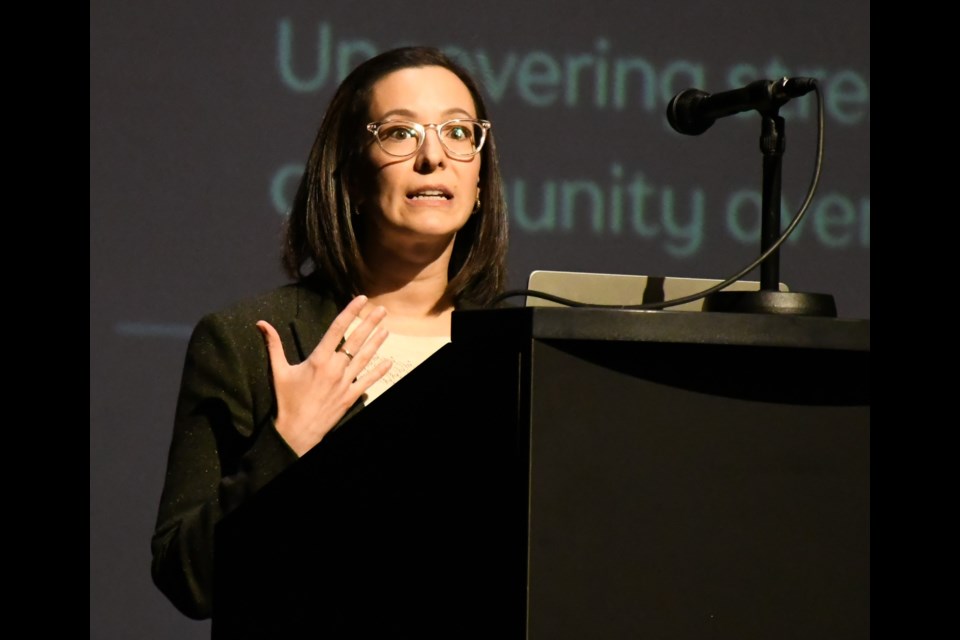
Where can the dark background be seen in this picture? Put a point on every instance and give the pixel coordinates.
(202, 114)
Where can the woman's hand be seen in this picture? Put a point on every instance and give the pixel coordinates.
(312, 396)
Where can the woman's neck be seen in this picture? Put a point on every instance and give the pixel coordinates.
(417, 303)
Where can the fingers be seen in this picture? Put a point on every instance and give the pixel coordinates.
(352, 345)
(357, 351)
(274, 346)
(335, 344)
(368, 348)
(376, 372)
(361, 347)
(333, 336)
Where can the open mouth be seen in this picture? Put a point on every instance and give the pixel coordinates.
(430, 194)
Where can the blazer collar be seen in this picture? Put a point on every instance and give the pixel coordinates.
(315, 312)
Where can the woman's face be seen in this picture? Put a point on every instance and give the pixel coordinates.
(424, 198)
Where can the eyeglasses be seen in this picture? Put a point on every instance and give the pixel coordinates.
(461, 138)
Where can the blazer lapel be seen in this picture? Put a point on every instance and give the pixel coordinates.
(315, 312)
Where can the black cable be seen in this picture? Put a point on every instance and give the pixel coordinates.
(725, 283)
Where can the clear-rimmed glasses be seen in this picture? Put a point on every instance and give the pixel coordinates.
(461, 137)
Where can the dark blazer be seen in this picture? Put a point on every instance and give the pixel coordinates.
(225, 446)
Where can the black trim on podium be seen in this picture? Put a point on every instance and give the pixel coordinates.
(578, 473)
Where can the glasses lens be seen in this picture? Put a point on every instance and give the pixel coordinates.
(462, 137)
(398, 138)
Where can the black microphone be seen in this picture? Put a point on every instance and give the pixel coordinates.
(692, 111)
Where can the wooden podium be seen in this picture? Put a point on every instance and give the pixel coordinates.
(561, 473)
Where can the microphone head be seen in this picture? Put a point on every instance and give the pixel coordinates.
(682, 113)
(796, 87)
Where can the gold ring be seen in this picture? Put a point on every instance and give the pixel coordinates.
(344, 351)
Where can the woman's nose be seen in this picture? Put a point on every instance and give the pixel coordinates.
(431, 153)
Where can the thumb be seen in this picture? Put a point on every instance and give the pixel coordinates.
(274, 346)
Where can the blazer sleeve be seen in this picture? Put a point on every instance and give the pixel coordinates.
(224, 448)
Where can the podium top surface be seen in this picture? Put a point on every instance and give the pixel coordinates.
(745, 329)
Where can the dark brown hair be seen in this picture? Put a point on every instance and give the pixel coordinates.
(320, 239)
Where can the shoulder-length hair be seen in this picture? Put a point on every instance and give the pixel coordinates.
(320, 240)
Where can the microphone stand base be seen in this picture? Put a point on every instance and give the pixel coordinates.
(775, 302)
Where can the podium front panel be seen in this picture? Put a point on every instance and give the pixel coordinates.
(697, 491)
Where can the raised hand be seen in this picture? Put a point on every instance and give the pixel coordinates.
(312, 396)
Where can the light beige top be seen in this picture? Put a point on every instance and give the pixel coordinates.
(406, 353)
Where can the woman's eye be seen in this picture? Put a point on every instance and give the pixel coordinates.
(399, 133)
